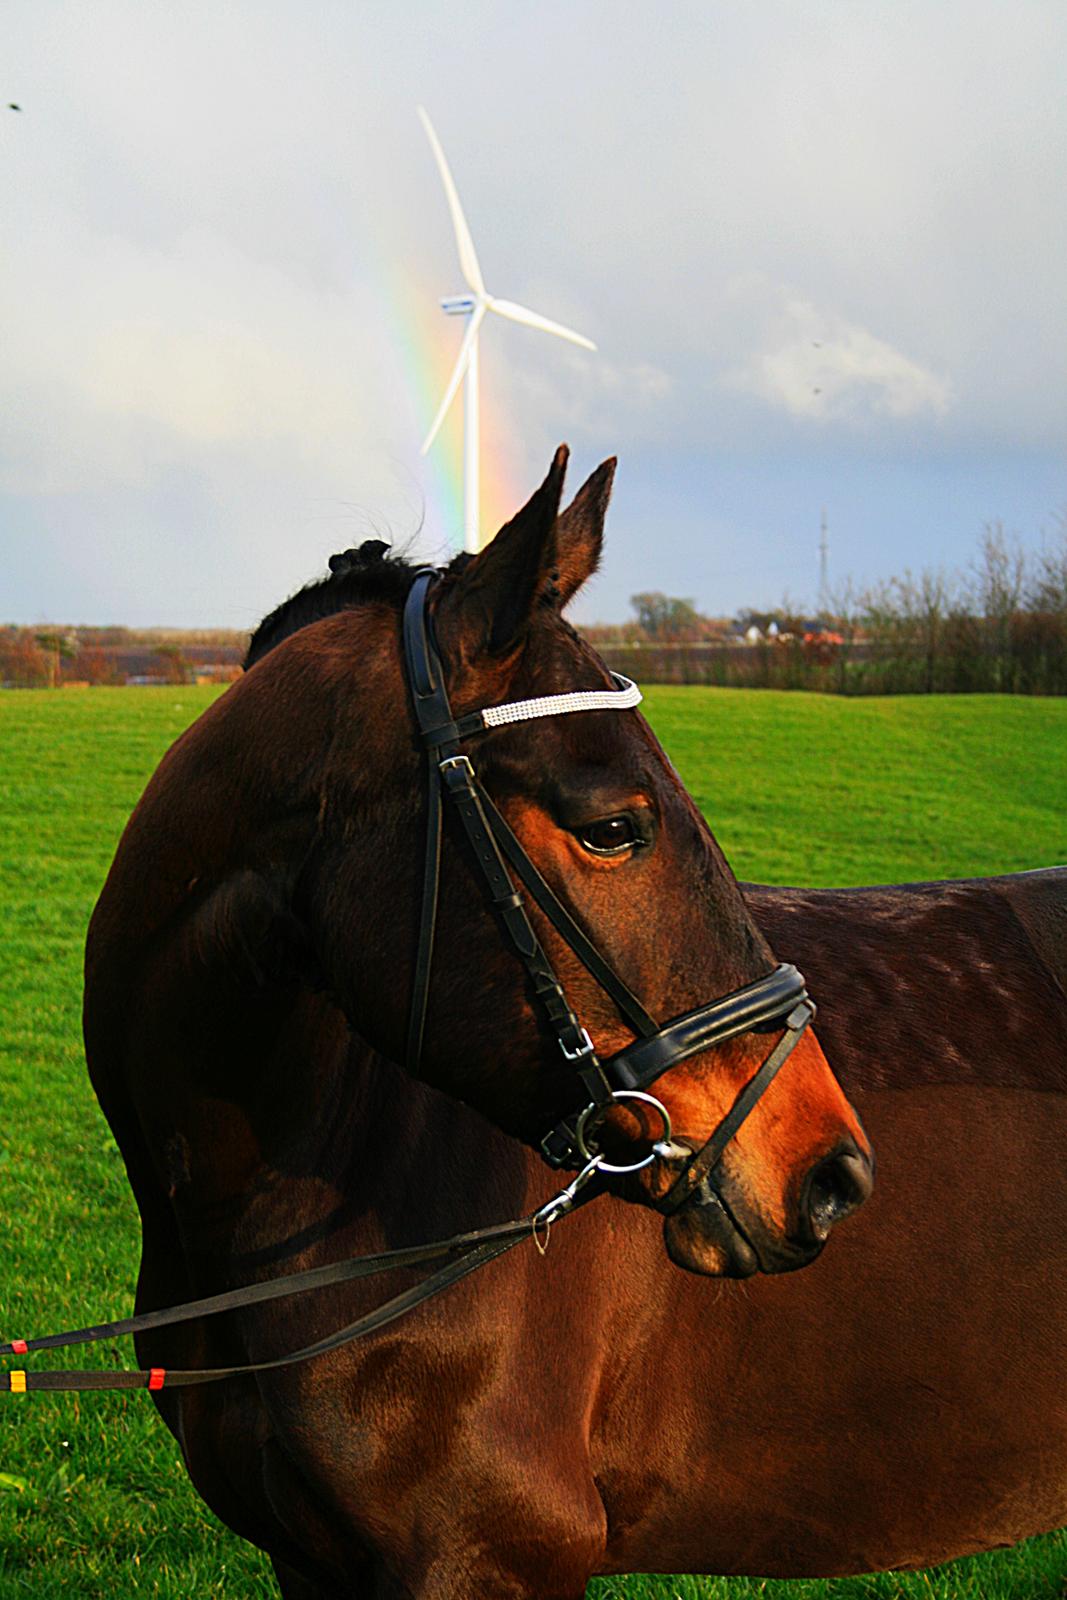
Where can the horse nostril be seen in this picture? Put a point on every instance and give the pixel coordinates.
(835, 1188)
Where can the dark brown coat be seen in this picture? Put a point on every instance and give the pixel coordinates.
(596, 1409)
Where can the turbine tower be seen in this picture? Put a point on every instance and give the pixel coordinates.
(474, 306)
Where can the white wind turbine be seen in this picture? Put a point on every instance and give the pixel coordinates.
(474, 306)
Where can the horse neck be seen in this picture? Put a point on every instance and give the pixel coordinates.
(426, 1164)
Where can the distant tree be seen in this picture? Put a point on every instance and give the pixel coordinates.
(1047, 587)
(103, 637)
(175, 664)
(844, 617)
(664, 617)
(58, 647)
(1039, 633)
(23, 663)
(998, 579)
(924, 605)
(94, 665)
(907, 619)
(999, 572)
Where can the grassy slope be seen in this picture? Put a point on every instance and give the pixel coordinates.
(806, 788)
(93, 1501)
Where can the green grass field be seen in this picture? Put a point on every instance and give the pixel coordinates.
(799, 788)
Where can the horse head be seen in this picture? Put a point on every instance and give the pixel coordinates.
(600, 812)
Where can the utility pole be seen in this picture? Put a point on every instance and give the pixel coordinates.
(824, 553)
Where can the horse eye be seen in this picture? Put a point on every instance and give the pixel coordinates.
(608, 837)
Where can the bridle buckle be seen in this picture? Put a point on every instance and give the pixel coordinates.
(586, 1048)
(455, 763)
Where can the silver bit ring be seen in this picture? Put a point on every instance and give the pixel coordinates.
(597, 1112)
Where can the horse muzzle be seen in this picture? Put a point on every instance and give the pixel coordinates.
(719, 1232)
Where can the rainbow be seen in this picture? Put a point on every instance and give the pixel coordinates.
(426, 344)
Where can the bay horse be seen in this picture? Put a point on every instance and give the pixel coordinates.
(592, 1409)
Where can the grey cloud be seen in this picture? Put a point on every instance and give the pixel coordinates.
(218, 222)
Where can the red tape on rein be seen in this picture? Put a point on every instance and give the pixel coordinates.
(19, 1347)
(156, 1376)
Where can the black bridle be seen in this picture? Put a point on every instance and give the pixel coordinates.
(777, 1001)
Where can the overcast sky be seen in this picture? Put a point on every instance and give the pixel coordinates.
(820, 246)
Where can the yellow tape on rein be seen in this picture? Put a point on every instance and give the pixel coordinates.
(17, 1381)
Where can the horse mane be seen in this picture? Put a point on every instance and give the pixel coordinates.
(356, 576)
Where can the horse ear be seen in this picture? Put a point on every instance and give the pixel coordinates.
(580, 533)
(490, 606)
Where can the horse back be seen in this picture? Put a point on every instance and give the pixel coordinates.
(963, 981)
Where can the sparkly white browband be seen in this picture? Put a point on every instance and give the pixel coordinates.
(623, 698)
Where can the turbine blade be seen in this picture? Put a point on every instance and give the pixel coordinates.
(467, 259)
(458, 373)
(533, 319)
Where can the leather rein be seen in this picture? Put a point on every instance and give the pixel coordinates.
(778, 1001)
